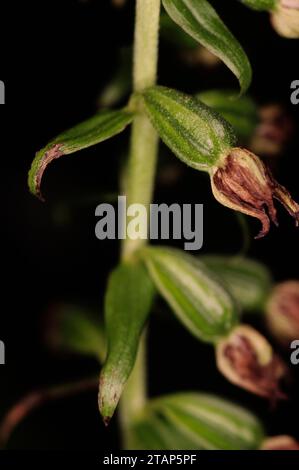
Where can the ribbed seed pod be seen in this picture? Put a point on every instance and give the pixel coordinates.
(210, 422)
(193, 292)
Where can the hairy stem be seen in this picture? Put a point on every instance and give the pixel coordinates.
(140, 182)
(144, 139)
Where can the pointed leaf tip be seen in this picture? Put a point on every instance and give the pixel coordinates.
(40, 163)
(199, 19)
(98, 128)
(127, 305)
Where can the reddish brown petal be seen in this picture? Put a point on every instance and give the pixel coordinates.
(243, 183)
(246, 359)
(284, 197)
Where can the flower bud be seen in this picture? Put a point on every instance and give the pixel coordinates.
(242, 182)
(280, 443)
(282, 311)
(285, 18)
(246, 359)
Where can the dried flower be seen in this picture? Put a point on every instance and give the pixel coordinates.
(282, 311)
(285, 18)
(246, 359)
(243, 183)
(280, 443)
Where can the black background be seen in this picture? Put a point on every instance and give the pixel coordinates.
(55, 58)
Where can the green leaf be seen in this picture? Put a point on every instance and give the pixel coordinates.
(73, 329)
(199, 19)
(127, 305)
(262, 5)
(193, 292)
(194, 132)
(153, 432)
(240, 112)
(248, 281)
(100, 127)
(211, 422)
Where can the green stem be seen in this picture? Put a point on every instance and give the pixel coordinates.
(140, 182)
(144, 139)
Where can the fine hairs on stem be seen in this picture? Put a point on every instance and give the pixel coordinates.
(141, 175)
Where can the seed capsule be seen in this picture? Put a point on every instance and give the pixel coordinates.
(194, 293)
(202, 139)
(246, 359)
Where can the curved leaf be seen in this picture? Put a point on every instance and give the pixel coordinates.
(127, 305)
(195, 133)
(100, 127)
(199, 19)
(193, 292)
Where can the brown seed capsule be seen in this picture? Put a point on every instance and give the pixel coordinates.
(282, 312)
(244, 183)
(285, 18)
(246, 359)
(280, 443)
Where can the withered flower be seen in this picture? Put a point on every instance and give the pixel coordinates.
(285, 18)
(244, 183)
(246, 359)
(282, 311)
(280, 443)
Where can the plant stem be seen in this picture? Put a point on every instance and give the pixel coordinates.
(144, 139)
(140, 183)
